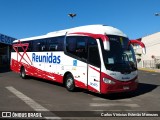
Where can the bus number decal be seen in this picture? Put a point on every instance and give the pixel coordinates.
(93, 84)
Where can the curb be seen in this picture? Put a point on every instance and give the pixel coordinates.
(149, 70)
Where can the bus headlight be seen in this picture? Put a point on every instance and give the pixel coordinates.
(108, 81)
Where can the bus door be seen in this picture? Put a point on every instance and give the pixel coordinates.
(94, 68)
(76, 48)
(86, 65)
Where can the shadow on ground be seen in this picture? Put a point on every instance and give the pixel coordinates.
(143, 88)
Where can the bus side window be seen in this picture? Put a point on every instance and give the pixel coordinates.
(60, 43)
(53, 47)
(42, 45)
(76, 45)
(36, 45)
(56, 44)
(71, 45)
(30, 47)
(93, 53)
(81, 48)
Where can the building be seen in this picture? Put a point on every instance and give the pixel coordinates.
(152, 57)
(5, 49)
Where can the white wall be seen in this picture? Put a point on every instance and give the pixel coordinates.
(152, 43)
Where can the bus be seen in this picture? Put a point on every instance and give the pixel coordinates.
(97, 58)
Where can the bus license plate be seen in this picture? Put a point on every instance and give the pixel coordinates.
(125, 87)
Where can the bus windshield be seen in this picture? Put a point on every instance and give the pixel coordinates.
(120, 57)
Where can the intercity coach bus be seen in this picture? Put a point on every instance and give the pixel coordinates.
(98, 58)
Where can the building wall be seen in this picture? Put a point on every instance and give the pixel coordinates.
(4, 54)
(5, 49)
(152, 56)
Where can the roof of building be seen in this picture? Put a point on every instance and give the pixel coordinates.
(6, 39)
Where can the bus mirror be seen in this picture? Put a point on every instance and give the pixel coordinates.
(106, 45)
(139, 43)
(105, 40)
(144, 50)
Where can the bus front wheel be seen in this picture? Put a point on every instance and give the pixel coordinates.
(69, 83)
(23, 73)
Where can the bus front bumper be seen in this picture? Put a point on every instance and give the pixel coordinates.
(119, 86)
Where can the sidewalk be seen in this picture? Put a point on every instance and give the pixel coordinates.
(149, 70)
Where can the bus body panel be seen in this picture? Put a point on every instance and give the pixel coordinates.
(94, 78)
(55, 72)
(53, 65)
(118, 86)
(94, 82)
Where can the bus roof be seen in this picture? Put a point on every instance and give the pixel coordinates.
(95, 29)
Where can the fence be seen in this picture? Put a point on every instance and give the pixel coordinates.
(152, 63)
(149, 64)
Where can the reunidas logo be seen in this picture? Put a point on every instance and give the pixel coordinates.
(47, 58)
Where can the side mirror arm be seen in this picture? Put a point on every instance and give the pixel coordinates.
(139, 43)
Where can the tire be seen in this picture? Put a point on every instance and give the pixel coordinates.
(69, 83)
(23, 73)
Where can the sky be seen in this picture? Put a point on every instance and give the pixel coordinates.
(28, 18)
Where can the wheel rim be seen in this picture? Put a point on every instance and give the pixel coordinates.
(23, 73)
(69, 83)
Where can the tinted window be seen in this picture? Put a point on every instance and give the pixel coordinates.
(30, 46)
(76, 45)
(20, 49)
(56, 44)
(46, 44)
(92, 42)
(93, 57)
(38, 45)
(60, 43)
(121, 56)
(52, 44)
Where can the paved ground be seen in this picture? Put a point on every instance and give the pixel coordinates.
(18, 95)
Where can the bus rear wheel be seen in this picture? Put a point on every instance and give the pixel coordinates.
(23, 73)
(69, 83)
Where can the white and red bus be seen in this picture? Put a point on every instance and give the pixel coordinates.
(98, 58)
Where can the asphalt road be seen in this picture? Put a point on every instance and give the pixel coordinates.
(52, 99)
